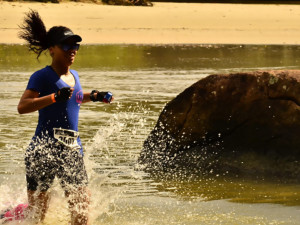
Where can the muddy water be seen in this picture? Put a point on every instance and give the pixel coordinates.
(143, 79)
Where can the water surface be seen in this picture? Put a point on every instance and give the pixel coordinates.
(143, 79)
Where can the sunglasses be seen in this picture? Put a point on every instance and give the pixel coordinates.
(67, 47)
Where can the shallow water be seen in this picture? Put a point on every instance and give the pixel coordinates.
(143, 79)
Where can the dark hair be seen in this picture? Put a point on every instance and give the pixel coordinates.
(34, 32)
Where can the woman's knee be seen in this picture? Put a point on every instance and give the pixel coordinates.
(79, 198)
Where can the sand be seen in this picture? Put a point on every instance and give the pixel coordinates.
(165, 23)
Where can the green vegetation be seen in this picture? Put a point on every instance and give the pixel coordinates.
(235, 1)
(148, 2)
(109, 2)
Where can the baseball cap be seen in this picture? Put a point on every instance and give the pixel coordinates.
(58, 34)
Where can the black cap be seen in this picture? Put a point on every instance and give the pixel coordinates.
(58, 34)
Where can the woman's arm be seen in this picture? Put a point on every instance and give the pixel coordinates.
(30, 101)
(87, 97)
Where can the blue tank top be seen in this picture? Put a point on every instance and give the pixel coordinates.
(60, 114)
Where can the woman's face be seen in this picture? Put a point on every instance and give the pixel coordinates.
(64, 53)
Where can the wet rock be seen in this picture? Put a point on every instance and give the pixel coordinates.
(240, 124)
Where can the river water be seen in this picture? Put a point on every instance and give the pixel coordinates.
(143, 79)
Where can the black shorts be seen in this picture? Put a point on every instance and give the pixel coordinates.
(44, 162)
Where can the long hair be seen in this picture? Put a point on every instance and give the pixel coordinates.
(34, 32)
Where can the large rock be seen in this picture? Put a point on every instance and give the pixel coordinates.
(243, 123)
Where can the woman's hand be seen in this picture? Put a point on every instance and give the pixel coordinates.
(63, 94)
(106, 97)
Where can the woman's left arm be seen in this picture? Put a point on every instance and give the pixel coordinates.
(97, 96)
(86, 97)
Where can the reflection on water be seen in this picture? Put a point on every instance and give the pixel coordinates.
(143, 79)
(237, 190)
(172, 57)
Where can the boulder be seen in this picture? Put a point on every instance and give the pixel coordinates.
(239, 124)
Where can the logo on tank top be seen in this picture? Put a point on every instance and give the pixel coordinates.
(79, 97)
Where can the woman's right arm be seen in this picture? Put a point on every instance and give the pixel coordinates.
(30, 101)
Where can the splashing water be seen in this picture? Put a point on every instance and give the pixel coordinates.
(113, 137)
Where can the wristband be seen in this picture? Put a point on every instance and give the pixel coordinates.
(53, 98)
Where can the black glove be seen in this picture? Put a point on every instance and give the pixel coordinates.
(101, 96)
(63, 94)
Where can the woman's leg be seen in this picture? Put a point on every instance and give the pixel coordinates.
(79, 200)
(38, 203)
(40, 173)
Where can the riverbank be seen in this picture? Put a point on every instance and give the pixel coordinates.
(164, 23)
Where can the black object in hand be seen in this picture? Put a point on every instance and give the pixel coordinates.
(63, 94)
(101, 96)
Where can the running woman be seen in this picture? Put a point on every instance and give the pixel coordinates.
(55, 149)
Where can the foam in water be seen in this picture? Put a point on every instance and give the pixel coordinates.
(13, 190)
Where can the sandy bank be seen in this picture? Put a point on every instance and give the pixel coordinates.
(164, 23)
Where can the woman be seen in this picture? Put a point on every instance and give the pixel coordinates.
(55, 149)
